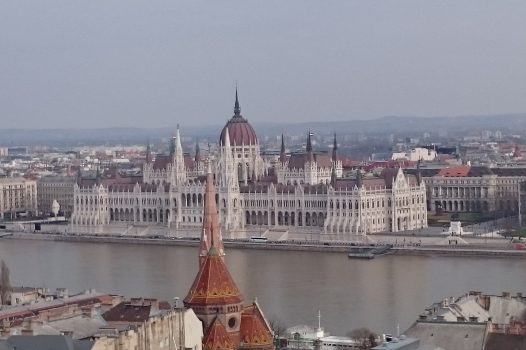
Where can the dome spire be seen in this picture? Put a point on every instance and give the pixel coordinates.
(237, 109)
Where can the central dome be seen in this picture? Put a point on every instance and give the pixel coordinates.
(239, 129)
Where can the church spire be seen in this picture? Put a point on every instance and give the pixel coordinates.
(237, 109)
(211, 231)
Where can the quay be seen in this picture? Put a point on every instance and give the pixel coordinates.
(480, 250)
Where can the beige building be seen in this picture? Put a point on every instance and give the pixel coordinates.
(474, 189)
(18, 197)
(59, 188)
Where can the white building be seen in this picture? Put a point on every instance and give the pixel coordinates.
(303, 193)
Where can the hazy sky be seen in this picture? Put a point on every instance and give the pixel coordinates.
(157, 63)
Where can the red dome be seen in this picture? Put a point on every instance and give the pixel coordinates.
(239, 131)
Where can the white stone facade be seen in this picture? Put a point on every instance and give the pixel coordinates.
(172, 198)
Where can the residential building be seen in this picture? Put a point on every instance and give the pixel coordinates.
(18, 197)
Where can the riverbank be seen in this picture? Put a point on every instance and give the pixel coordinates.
(431, 251)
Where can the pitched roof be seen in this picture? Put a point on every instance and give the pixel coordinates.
(449, 335)
(217, 338)
(128, 312)
(213, 284)
(455, 171)
(255, 331)
(298, 160)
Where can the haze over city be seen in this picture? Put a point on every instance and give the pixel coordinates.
(129, 63)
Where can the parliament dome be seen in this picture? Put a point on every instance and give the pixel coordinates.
(239, 129)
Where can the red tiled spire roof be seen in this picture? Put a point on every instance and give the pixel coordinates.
(217, 338)
(211, 230)
(255, 332)
(213, 284)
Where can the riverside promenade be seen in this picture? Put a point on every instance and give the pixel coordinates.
(501, 248)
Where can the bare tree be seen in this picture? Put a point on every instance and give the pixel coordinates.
(364, 336)
(5, 284)
(278, 327)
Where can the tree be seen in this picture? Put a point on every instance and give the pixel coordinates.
(364, 336)
(5, 284)
(278, 327)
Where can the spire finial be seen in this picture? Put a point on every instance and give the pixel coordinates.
(237, 109)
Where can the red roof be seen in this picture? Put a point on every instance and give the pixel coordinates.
(217, 338)
(456, 171)
(213, 284)
(255, 331)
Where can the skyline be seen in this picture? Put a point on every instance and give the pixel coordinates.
(74, 65)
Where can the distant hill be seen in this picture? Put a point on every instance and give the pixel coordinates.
(515, 123)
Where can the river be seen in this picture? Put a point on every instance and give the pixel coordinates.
(290, 286)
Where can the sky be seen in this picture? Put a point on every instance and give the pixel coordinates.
(83, 64)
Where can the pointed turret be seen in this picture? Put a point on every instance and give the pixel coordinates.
(282, 155)
(211, 230)
(178, 146)
(237, 109)
(334, 150)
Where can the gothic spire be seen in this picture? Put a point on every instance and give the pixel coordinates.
(282, 156)
(335, 149)
(237, 109)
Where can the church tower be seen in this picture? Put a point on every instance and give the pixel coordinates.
(214, 296)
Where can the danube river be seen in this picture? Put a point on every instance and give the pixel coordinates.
(290, 286)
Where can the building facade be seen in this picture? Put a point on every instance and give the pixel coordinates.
(468, 188)
(303, 192)
(18, 197)
(59, 188)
